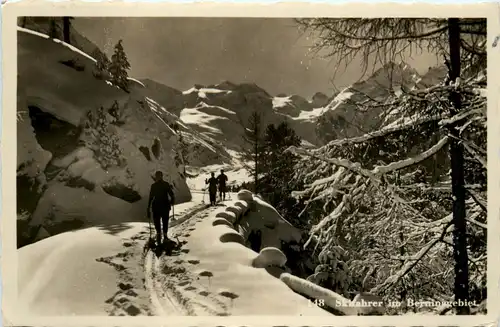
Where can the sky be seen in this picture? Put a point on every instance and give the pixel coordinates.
(180, 52)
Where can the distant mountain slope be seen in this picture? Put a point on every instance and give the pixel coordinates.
(358, 109)
(219, 111)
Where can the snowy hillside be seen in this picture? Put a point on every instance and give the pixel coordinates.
(82, 141)
(42, 25)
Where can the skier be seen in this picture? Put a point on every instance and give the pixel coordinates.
(161, 198)
(222, 179)
(212, 188)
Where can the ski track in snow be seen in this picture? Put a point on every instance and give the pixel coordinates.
(166, 285)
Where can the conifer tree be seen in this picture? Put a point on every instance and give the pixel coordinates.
(253, 137)
(102, 64)
(119, 67)
(53, 33)
(67, 28)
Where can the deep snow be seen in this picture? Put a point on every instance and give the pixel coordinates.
(55, 274)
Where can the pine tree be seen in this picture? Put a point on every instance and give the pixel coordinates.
(119, 66)
(278, 167)
(253, 138)
(98, 137)
(53, 32)
(67, 29)
(101, 68)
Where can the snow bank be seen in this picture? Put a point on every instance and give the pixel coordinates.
(136, 81)
(64, 44)
(229, 265)
(274, 229)
(56, 274)
(323, 296)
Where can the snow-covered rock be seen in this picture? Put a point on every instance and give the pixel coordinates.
(274, 230)
(245, 195)
(232, 236)
(369, 304)
(323, 297)
(319, 100)
(269, 257)
(222, 221)
(235, 210)
(229, 216)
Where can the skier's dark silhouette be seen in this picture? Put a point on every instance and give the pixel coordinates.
(212, 188)
(222, 179)
(161, 199)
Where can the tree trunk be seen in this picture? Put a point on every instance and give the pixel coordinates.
(53, 29)
(457, 178)
(66, 27)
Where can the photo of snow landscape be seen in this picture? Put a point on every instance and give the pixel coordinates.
(251, 166)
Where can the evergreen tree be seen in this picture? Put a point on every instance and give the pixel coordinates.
(98, 137)
(67, 29)
(278, 168)
(24, 21)
(253, 138)
(53, 32)
(119, 67)
(102, 64)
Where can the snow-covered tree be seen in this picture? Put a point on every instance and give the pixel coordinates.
(253, 138)
(411, 218)
(67, 28)
(277, 166)
(119, 66)
(99, 137)
(53, 31)
(101, 68)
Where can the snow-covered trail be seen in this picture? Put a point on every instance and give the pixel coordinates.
(104, 271)
(98, 271)
(173, 287)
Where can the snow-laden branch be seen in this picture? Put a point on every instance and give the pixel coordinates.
(388, 130)
(410, 161)
(378, 170)
(477, 223)
(477, 199)
(353, 166)
(412, 262)
(460, 116)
